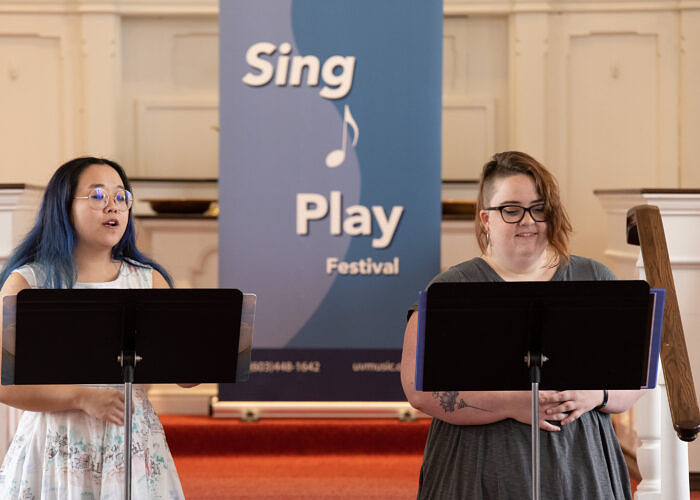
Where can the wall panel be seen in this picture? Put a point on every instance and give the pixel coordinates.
(169, 116)
(612, 119)
(32, 108)
(475, 103)
(612, 111)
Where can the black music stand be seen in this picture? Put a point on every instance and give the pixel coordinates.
(89, 336)
(538, 335)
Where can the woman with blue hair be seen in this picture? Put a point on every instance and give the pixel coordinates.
(69, 442)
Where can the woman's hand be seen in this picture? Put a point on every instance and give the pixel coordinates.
(567, 406)
(522, 412)
(104, 404)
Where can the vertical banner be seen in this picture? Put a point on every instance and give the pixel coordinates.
(329, 187)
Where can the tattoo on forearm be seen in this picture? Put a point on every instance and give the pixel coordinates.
(448, 401)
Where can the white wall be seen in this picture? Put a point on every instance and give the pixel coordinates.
(603, 93)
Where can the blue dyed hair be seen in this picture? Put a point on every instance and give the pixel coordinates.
(50, 242)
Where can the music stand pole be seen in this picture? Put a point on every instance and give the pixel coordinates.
(534, 362)
(128, 360)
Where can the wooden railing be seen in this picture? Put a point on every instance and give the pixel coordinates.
(645, 228)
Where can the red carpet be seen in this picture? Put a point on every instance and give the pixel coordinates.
(193, 435)
(299, 476)
(298, 458)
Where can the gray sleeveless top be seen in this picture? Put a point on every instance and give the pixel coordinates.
(582, 461)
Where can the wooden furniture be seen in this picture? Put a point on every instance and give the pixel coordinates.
(647, 430)
(645, 228)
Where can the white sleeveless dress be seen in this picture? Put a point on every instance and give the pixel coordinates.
(71, 455)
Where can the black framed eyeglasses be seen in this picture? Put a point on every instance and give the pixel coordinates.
(98, 199)
(512, 214)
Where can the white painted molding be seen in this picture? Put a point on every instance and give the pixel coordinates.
(18, 209)
(47, 34)
(632, 258)
(184, 8)
(252, 410)
(622, 255)
(24, 198)
(459, 148)
(101, 61)
(649, 453)
(457, 242)
(481, 7)
(184, 247)
(9, 419)
(146, 190)
(148, 144)
(529, 51)
(120, 7)
(171, 398)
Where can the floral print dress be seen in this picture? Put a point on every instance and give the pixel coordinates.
(71, 455)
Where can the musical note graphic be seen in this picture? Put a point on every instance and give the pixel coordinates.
(337, 156)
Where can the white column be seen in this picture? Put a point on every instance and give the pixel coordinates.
(689, 97)
(649, 453)
(675, 484)
(102, 81)
(528, 52)
(9, 418)
(18, 206)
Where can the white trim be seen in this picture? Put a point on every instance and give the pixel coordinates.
(208, 8)
(621, 255)
(676, 262)
(470, 7)
(115, 7)
(171, 398)
(668, 203)
(19, 199)
(253, 410)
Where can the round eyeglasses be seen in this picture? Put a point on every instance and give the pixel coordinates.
(98, 199)
(512, 214)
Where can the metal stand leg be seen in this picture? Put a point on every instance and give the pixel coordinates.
(127, 440)
(534, 362)
(128, 361)
(535, 426)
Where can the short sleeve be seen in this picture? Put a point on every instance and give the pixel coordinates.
(29, 273)
(452, 275)
(602, 272)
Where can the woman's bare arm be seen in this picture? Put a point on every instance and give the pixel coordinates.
(105, 404)
(465, 408)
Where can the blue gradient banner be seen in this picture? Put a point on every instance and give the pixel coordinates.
(329, 186)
